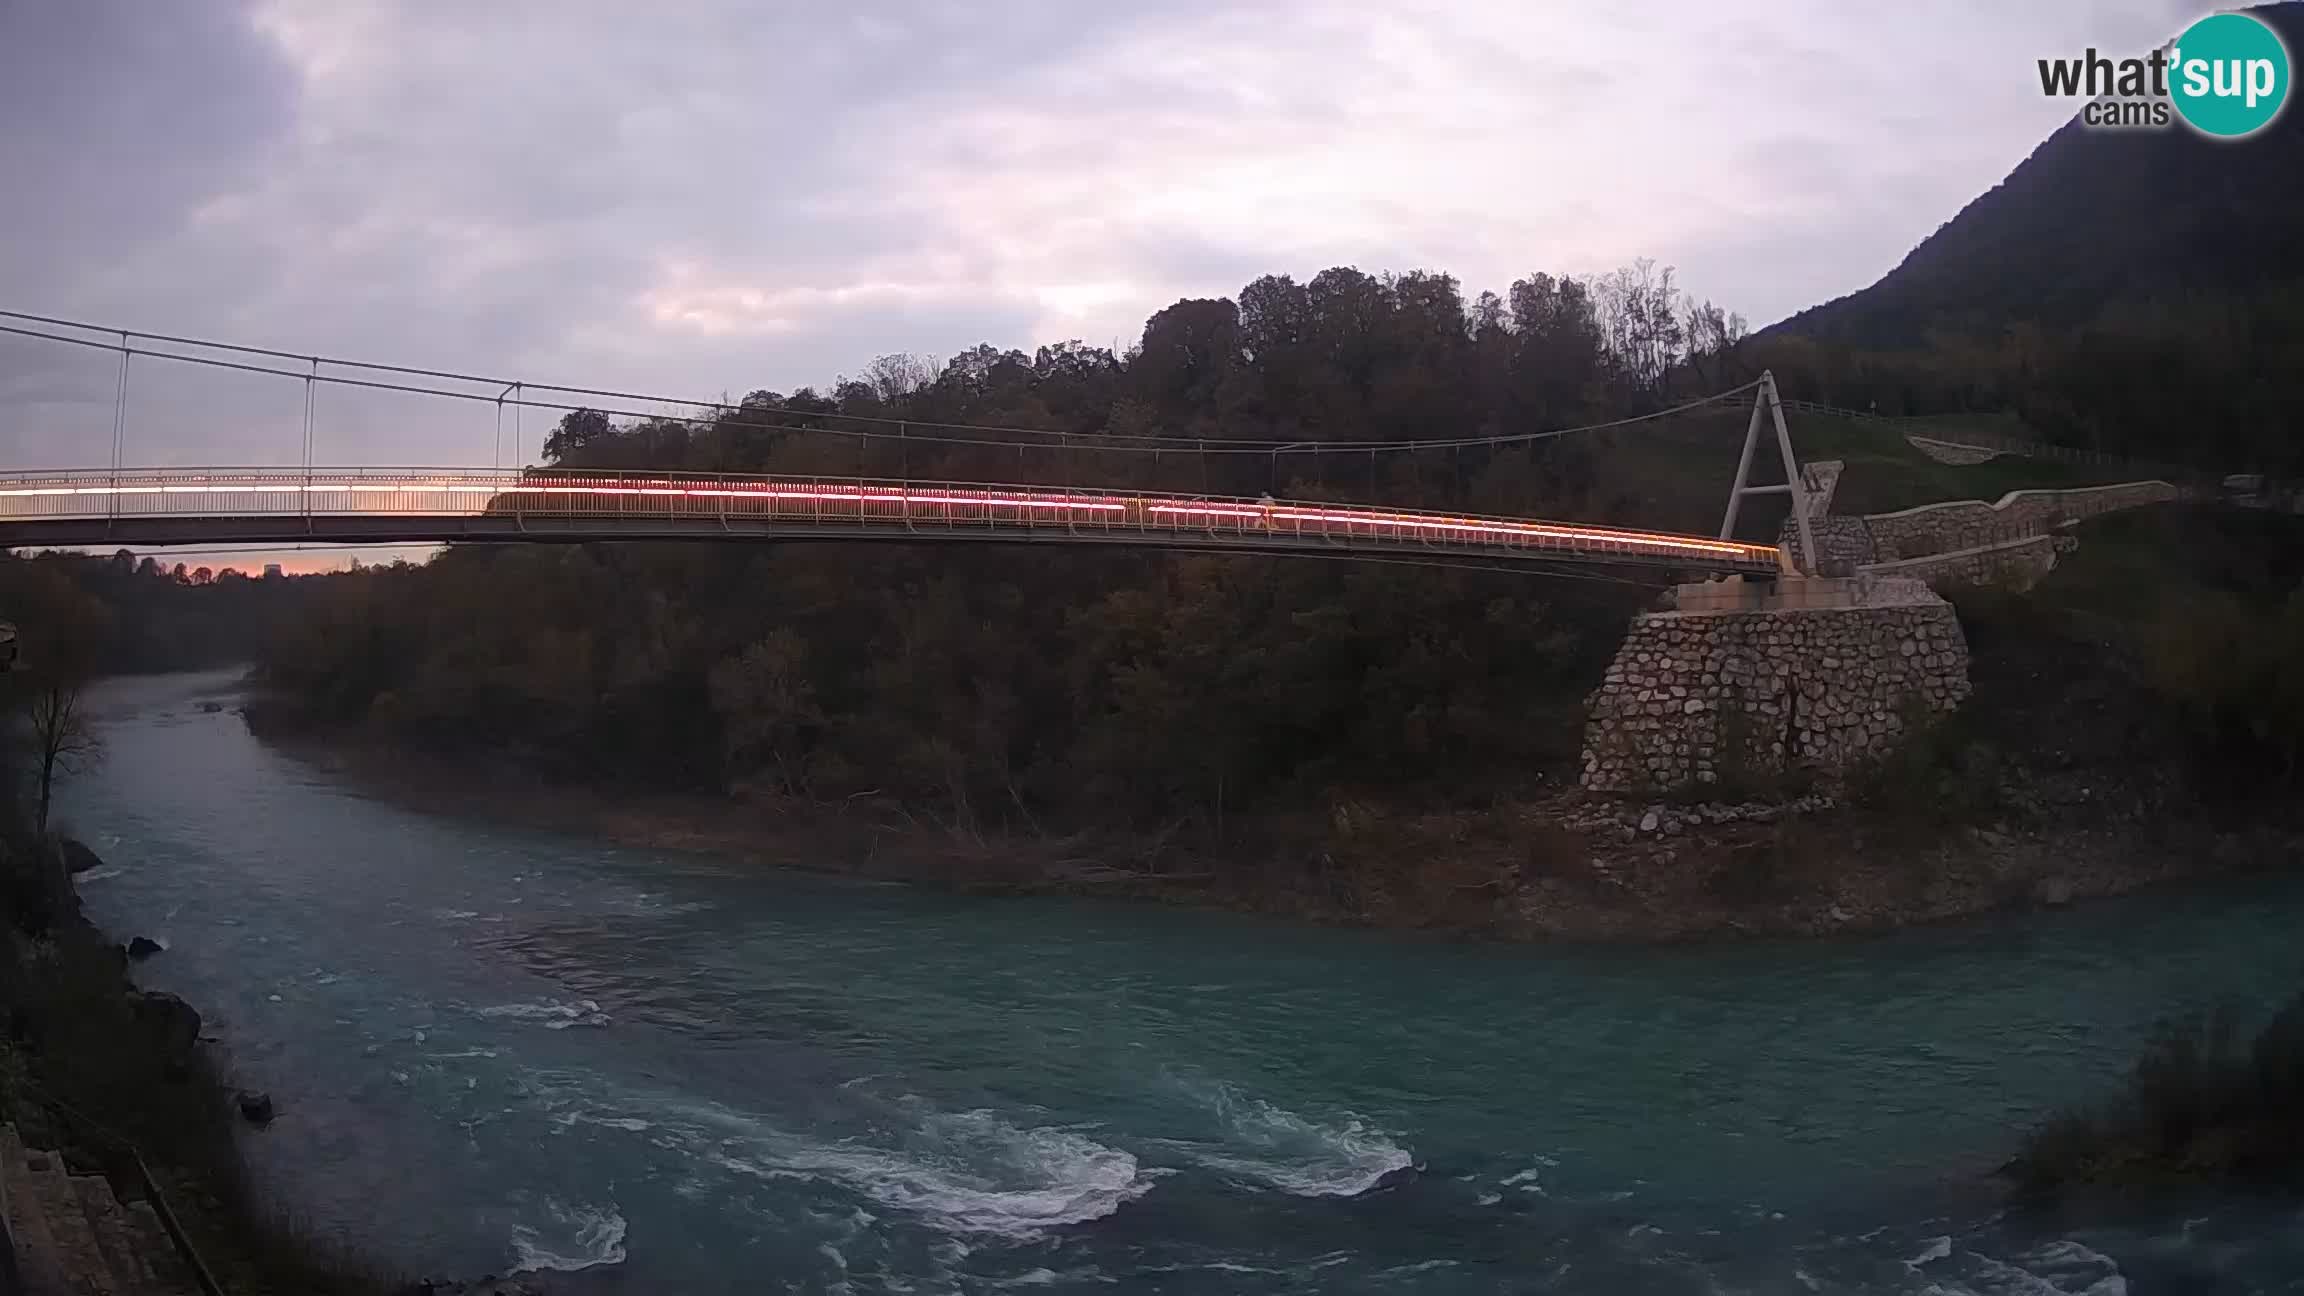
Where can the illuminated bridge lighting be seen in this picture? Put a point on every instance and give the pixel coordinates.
(162, 506)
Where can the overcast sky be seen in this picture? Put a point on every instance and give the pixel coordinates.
(700, 196)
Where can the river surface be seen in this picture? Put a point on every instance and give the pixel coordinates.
(494, 1047)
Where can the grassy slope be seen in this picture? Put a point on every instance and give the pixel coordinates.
(2130, 564)
(2065, 675)
(1885, 472)
(1675, 474)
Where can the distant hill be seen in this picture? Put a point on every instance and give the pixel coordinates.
(2120, 288)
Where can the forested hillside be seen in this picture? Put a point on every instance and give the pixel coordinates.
(2133, 291)
(128, 615)
(1030, 687)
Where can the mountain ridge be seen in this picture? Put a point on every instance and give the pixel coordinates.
(2135, 291)
(2077, 223)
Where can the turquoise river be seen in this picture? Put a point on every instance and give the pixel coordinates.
(496, 1048)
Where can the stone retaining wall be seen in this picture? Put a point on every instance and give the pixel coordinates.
(1966, 524)
(2012, 564)
(1963, 524)
(1694, 696)
(1842, 539)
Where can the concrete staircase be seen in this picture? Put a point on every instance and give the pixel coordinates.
(74, 1238)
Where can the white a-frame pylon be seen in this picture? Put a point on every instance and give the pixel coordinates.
(1765, 405)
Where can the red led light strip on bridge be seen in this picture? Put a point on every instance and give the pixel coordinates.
(1331, 516)
(1425, 521)
(893, 496)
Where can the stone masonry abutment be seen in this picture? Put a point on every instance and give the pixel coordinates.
(1738, 678)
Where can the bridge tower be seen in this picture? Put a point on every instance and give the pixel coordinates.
(1741, 677)
(1766, 407)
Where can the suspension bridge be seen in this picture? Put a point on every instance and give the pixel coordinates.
(307, 503)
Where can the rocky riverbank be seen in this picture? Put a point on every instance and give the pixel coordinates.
(117, 1079)
(1822, 869)
(1564, 865)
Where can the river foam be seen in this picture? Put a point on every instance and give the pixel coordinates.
(971, 1173)
(552, 1014)
(975, 1173)
(2059, 1268)
(575, 1237)
(1279, 1149)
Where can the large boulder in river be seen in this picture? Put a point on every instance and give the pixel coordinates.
(255, 1106)
(173, 1023)
(143, 947)
(77, 857)
(1396, 1177)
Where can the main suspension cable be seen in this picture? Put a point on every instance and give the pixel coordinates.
(900, 429)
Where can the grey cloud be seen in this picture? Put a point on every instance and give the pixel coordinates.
(1181, 256)
(117, 118)
(117, 121)
(715, 194)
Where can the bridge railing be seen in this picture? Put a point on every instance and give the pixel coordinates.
(519, 497)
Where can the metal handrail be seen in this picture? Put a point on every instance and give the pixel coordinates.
(202, 1276)
(71, 494)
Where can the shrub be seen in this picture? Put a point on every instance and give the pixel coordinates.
(1937, 774)
(2236, 676)
(2199, 1105)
